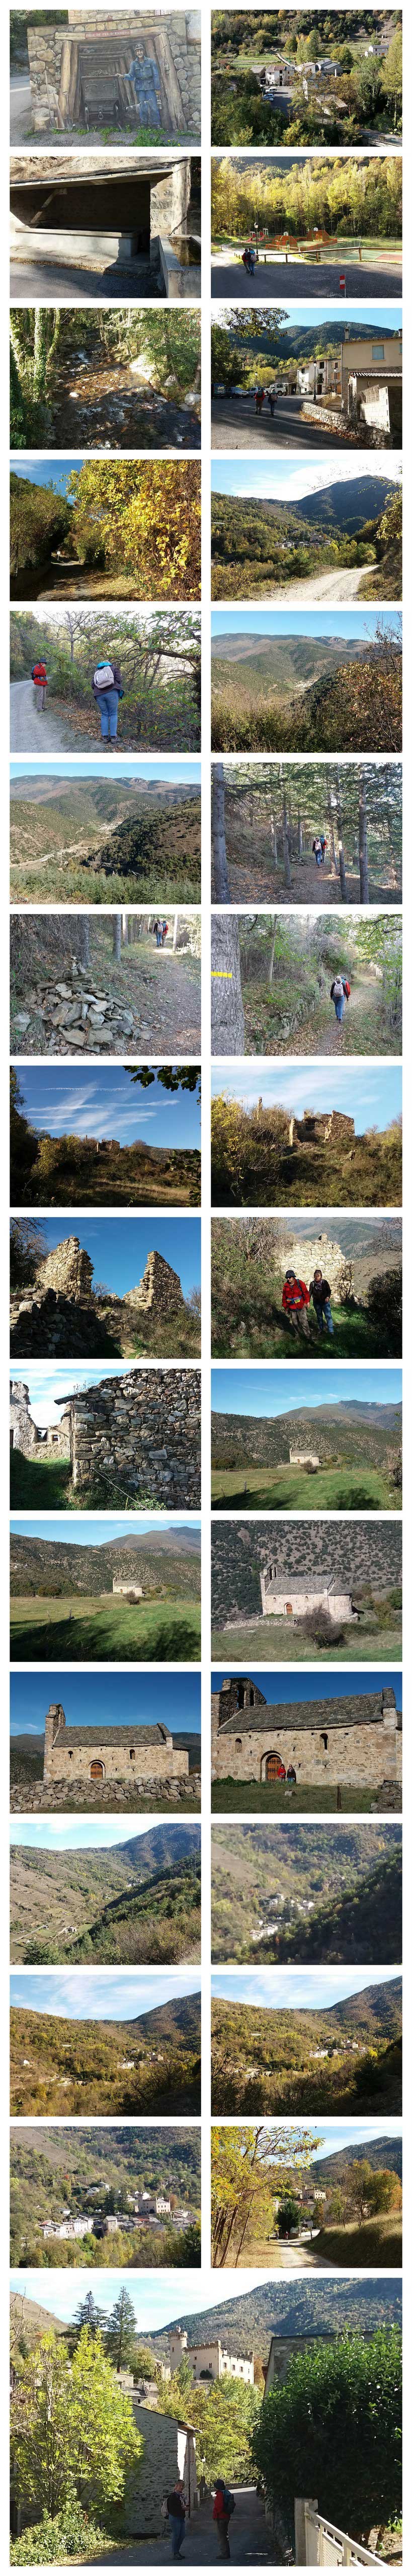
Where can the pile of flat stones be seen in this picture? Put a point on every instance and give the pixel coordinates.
(77, 1014)
(37, 1798)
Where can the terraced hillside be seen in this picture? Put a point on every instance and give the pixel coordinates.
(149, 2064)
(345, 2056)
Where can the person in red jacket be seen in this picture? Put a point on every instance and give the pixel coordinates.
(295, 1301)
(222, 2510)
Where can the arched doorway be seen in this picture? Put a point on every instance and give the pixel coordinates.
(97, 1770)
(275, 1768)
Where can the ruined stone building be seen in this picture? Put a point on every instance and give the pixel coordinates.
(91, 1753)
(355, 1740)
(140, 1431)
(58, 1312)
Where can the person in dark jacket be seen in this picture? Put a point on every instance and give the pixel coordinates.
(177, 2516)
(295, 1301)
(107, 693)
(339, 994)
(321, 1293)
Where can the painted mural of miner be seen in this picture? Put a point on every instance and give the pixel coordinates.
(146, 84)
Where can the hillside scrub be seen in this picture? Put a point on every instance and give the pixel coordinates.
(358, 708)
(270, 817)
(134, 528)
(261, 547)
(103, 843)
(94, 357)
(254, 1165)
(100, 2067)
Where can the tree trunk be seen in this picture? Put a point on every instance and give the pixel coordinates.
(274, 848)
(286, 857)
(117, 935)
(40, 351)
(271, 956)
(84, 940)
(228, 1026)
(331, 826)
(300, 835)
(175, 929)
(343, 885)
(220, 867)
(125, 930)
(363, 840)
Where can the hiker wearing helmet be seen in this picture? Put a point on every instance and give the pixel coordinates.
(295, 1301)
(320, 1294)
(107, 689)
(339, 994)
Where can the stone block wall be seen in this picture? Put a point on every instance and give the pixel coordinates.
(164, 2458)
(44, 1326)
(159, 1291)
(143, 1431)
(23, 1432)
(108, 41)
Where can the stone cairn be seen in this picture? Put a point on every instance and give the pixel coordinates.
(77, 1013)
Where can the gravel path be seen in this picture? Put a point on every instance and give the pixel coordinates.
(31, 731)
(328, 586)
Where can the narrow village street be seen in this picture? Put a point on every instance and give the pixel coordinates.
(250, 2540)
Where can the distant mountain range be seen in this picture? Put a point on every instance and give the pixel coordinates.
(159, 1558)
(97, 797)
(248, 2321)
(348, 1429)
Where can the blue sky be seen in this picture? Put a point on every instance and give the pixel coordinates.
(269, 1391)
(370, 1093)
(57, 475)
(284, 1989)
(106, 1699)
(118, 1246)
(157, 2301)
(285, 480)
(186, 771)
(102, 1101)
(86, 1833)
(385, 317)
(351, 624)
(287, 1688)
(90, 1533)
(94, 1996)
(48, 1385)
(335, 2135)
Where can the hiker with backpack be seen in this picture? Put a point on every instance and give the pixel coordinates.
(107, 689)
(320, 1294)
(224, 2506)
(40, 683)
(339, 994)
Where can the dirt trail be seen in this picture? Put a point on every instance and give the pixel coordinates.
(322, 1034)
(328, 586)
(31, 731)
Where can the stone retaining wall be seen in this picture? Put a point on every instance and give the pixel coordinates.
(108, 41)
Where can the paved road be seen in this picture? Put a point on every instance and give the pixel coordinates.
(250, 2541)
(236, 424)
(20, 107)
(30, 731)
(56, 283)
(286, 278)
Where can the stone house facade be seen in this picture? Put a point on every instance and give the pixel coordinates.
(209, 2360)
(92, 1754)
(356, 1739)
(169, 2453)
(303, 1458)
(88, 65)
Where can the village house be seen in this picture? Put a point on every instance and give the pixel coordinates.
(363, 376)
(355, 1739)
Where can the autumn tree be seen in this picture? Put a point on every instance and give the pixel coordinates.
(146, 518)
(72, 2429)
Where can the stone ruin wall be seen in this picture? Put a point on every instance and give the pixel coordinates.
(144, 1430)
(60, 1313)
(110, 38)
(25, 1434)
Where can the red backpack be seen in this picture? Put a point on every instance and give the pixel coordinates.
(39, 671)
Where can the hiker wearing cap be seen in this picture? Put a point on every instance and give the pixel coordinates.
(107, 689)
(295, 1301)
(320, 1294)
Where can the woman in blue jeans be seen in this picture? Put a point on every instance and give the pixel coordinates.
(107, 689)
(339, 994)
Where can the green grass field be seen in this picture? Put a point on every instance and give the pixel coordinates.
(274, 1641)
(272, 1798)
(292, 1489)
(91, 1630)
(41, 1480)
